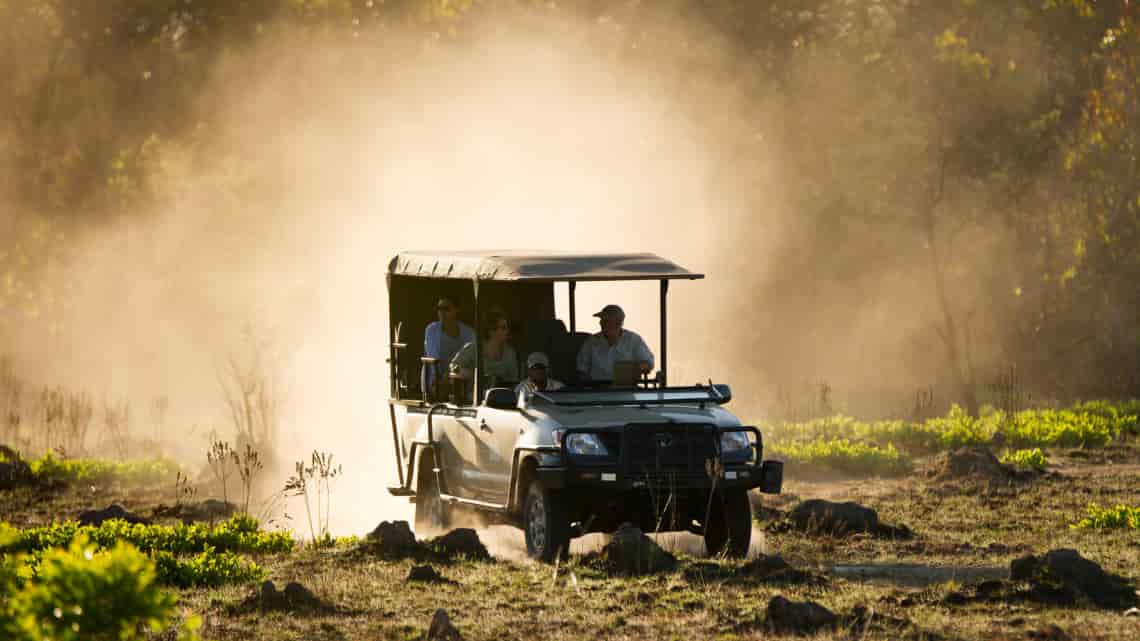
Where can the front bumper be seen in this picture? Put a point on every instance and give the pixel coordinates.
(768, 477)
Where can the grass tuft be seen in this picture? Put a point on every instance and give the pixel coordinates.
(1110, 518)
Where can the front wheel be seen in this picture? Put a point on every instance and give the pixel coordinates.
(431, 512)
(729, 528)
(546, 524)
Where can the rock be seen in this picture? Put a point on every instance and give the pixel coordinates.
(1051, 632)
(818, 515)
(294, 597)
(426, 574)
(269, 598)
(630, 552)
(441, 628)
(460, 542)
(1065, 570)
(98, 517)
(13, 469)
(298, 596)
(797, 617)
(393, 537)
(975, 463)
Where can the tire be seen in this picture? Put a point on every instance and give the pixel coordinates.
(546, 524)
(432, 515)
(729, 530)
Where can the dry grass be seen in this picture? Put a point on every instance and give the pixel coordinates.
(957, 526)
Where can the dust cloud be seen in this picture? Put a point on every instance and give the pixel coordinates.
(328, 157)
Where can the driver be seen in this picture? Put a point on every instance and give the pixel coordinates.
(537, 365)
(613, 343)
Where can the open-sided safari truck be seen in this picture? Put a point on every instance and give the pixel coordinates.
(584, 458)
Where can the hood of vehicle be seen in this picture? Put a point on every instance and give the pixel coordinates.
(554, 417)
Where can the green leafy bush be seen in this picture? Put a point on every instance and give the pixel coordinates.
(79, 593)
(1060, 428)
(240, 533)
(1117, 516)
(1031, 459)
(846, 456)
(206, 569)
(49, 468)
(959, 429)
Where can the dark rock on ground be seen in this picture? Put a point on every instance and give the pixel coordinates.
(426, 574)
(1051, 632)
(970, 463)
(826, 517)
(295, 597)
(630, 552)
(1067, 569)
(97, 517)
(298, 596)
(14, 470)
(441, 628)
(393, 537)
(460, 542)
(798, 617)
(209, 510)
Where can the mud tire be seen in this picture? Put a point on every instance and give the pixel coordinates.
(546, 524)
(729, 530)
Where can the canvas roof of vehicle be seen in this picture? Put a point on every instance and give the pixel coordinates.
(537, 266)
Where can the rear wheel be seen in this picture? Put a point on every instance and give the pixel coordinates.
(546, 524)
(431, 512)
(729, 528)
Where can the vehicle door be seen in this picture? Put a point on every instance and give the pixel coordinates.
(457, 444)
(498, 432)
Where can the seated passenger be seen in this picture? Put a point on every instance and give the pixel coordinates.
(500, 364)
(445, 337)
(599, 352)
(537, 365)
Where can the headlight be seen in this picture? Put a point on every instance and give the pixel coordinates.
(734, 442)
(585, 444)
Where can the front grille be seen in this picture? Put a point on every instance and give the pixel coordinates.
(668, 451)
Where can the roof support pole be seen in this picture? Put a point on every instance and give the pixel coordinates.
(573, 320)
(661, 370)
(477, 384)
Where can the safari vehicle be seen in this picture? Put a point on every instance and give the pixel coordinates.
(560, 464)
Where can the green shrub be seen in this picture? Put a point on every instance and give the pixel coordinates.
(959, 429)
(240, 533)
(206, 569)
(846, 456)
(1060, 428)
(79, 593)
(50, 469)
(1032, 459)
(1117, 516)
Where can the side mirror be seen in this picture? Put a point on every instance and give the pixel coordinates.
(724, 392)
(501, 398)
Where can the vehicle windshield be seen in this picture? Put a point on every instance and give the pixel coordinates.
(603, 396)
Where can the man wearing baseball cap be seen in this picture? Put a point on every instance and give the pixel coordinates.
(537, 365)
(599, 353)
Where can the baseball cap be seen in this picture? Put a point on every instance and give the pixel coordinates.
(537, 358)
(445, 302)
(611, 310)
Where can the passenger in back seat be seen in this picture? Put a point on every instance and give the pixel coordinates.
(599, 353)
(444, 337)
(500, 363)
